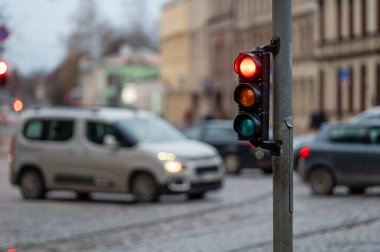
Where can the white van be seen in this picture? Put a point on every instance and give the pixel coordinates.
(109, 150)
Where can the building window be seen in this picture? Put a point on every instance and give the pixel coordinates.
(378, 16)
(351, 18)
(378, 84)
(322, 21)
(338, 95)
(321, 90)
(364, 17)
(351, 91)
(363, 86)
(339, 19)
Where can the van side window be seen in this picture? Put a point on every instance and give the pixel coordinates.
(96, 131)
(60, 130)
(33, 130)
(349, 135)
(49, 130)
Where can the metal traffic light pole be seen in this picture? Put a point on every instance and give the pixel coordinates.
(282, 128)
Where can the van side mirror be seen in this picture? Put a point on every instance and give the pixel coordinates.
(110, 142)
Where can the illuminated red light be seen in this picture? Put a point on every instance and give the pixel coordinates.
(304, 152)
(247, 66)
(11, 250)
(3, 68)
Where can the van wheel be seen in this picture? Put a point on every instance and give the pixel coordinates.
(321, 181)
(144, 188)
(232, 164)
(32, 185)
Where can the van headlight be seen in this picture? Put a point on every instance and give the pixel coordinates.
(173, 166)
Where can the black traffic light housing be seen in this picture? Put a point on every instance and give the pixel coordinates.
(253, 96)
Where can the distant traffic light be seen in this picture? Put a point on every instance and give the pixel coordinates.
(3, 73)
(252, 96)
(18, 105)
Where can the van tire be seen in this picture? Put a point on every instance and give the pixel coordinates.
(144, 188)
(32, 185)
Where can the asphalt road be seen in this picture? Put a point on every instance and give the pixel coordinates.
(237, 218)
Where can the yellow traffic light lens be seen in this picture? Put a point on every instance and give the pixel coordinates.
(247, 97)
(247, 67)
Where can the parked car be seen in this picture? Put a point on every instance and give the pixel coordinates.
(109, 150)
(236, 154)
(342, 154)
(367, 116)
(298, 143)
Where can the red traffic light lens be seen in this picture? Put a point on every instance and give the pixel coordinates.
(247, 66)
(3, 68)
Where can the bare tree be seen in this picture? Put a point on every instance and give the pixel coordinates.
(138, 24)
(88, 30)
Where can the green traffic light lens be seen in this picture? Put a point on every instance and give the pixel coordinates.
(247, 127)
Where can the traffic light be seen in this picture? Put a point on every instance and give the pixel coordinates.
(18, 105)
(252, 96)
(3, 73)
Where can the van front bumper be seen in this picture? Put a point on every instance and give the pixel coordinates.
(192, 188)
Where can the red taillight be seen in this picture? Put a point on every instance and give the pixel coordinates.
(250, 145)
(304, 152)
(12, 148)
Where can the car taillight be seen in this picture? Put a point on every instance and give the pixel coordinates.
(304, 152)
(12, 148)
(250, 145)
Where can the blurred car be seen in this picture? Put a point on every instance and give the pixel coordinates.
(342, 154)
(236, 154)
(109, 150)
(367, 116)
(298, 143)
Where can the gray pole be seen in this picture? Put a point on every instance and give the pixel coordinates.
(283, 128)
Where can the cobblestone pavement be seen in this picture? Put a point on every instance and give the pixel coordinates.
(238, 218)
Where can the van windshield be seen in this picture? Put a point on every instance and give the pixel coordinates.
(149, 130)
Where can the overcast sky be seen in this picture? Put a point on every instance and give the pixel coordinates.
(39, 28)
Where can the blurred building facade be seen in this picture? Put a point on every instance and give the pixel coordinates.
(348, 56)
(129, 78)
(336, 53)
(175, 64)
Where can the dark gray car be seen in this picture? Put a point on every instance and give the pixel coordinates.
(342, 154)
